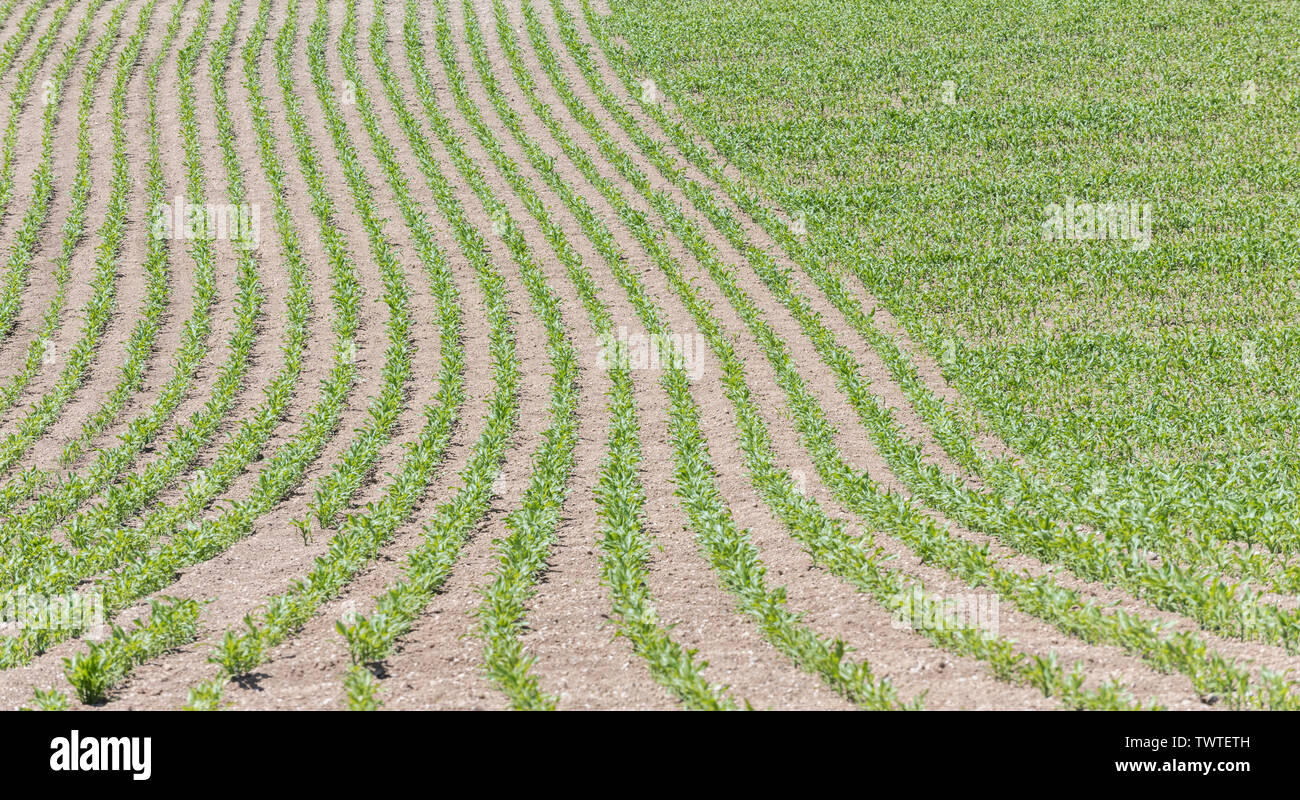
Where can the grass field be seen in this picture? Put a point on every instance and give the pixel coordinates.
(649, 354)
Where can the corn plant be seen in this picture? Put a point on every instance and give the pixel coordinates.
(626, 542)
(771, 344)
(533, 526)
(48, 700)
(45, 412)
(731, 552)
(362, 690)
(38, 211)
(362, 534)
(103, 665)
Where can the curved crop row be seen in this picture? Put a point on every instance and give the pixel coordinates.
(40, 349)
(112, 230)
(362, 533)
(20, 253)
(729, 549)
(1219, 506)
(619, 496)
(129, 493)
(532, 527)
(892, 515)
(825, 540)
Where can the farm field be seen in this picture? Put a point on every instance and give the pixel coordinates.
(649, 354)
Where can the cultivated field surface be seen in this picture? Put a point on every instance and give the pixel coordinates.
(649, 354)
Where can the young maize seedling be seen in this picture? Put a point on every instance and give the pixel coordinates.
(48, 700)
(362, 690)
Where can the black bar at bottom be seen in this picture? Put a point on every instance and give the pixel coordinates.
(337, 751)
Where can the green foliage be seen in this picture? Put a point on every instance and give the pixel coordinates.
(206, 696)
(1183, 500)
(48, 700)
(362, 690)
(103, 665)
(624, 563)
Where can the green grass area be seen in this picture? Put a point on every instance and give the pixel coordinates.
(1182, 354)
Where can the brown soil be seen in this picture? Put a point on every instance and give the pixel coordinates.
(568, 628)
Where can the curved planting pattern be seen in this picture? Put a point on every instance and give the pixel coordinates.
(640, 354)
